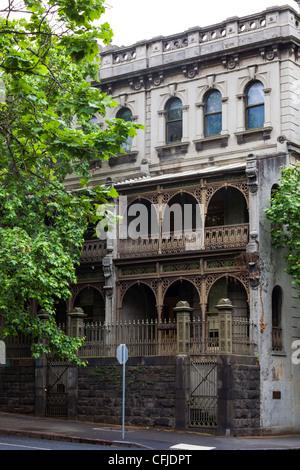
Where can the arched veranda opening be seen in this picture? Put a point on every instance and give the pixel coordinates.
(227, 206)
(181, 215)
(140, 220)
(92, 303)
(228, 287)
(180, 290)
(139, 304)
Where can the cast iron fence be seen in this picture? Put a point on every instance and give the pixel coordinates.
(151, 338)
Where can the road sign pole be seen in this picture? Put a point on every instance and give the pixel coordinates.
(123, 401)
(122, 356)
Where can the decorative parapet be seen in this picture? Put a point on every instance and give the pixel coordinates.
(227, 38)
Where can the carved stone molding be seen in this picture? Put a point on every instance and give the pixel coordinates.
(230, 62)
(251, 172)
(252, 135)
(190, 71)
(172, 150)
(214, 140)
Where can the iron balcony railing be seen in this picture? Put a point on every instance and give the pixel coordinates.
(226, 236)
(93, 250)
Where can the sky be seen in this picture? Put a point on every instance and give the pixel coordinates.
(136, 20)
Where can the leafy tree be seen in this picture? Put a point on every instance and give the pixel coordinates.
(48, 63)
(284, 215)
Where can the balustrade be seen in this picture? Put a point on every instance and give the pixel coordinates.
(93, 250)
(227, 236)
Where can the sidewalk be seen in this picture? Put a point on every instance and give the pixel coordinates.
(135, 438)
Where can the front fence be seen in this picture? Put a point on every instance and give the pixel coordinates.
(17, 347)
(152, 338)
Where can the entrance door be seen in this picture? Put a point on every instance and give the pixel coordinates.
(57, 389)
(203, 400)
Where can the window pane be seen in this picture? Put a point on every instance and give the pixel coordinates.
(213, 103)
(127, 145)
(256, 116)
(213, 124)
(125, 114)
(174, 110)
(94, 120)
(174, 131)
(255, 94)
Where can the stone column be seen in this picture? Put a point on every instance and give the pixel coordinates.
(109, 275)
(183, 311)
(77, 326)
(225, 326)
(199, 120)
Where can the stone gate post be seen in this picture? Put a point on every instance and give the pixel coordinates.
(225, 326)
(77, 315)
(183, 311)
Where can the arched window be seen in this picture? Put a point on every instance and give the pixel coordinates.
(274, 190)
(255, 105)
(213, 113)
(94, 120)
(276, 319)
(174, 121)
(126, 115)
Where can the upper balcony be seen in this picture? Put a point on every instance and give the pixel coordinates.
(215, 238)
(183, 225)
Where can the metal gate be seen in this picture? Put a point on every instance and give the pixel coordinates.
(203, 399)
(57, 389)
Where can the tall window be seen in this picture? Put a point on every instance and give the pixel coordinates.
(255, 106)
(126, 115)
(213, 113)
(174, 121)
(276, 319)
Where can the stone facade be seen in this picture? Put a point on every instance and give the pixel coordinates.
(227, 57)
